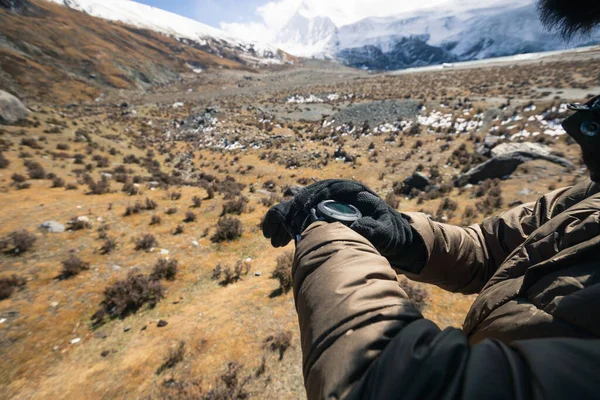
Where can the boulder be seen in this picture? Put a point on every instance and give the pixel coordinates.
(504, 165)
(12, 109)
(418, 181)
(52, 227)
(535, 148)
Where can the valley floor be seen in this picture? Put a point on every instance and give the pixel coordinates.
(236, 141)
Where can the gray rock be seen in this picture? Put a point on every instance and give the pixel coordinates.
(534, 148)
(12, 109)
(418, 181)
(258, 273)
(127, 328)
(504, 165)
(52, 227)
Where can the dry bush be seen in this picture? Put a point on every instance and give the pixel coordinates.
(217, 271)
(131, 189)
(174, 195)
(110, 244)
(283, 271)
(18, 178)
(100, 187)
(446, 209)
(24, 185)
(19, 242)
(164, 269)
(4, 162)
(179, 229)
(468, 216)
(127, 296)
(236, 206)
(9, 285)
(228, 229)
(35, 170)
(230, 386)
(171, 211)
(279, 342)
(417, 295)
(58, 182)
(78, 224)
(150, 204)
(196, 202)
(190, 217)
(271, 200)
(493, 197)
(72, 266)
(30, 142)
(156, 220)
(145, 242)
(174, 357)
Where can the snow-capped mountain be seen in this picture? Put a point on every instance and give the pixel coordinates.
(184, 29)
(461, 31)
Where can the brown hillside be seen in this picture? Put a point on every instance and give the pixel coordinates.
(55, 53)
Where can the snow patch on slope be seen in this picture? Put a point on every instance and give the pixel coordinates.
(155, 19)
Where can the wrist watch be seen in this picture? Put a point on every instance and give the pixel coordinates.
(335, 211)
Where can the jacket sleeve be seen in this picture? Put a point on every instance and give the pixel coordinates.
(361, 338)
(464, 259)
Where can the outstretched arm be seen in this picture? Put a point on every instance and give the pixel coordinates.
(464, 259)
(362, 338)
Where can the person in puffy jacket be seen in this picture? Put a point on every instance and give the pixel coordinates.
(533, 332)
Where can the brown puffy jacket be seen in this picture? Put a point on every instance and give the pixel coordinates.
(533, 332)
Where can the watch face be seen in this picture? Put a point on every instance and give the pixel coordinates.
(340, 208)
(338, 212)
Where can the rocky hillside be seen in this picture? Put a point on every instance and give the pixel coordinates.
(52, 52)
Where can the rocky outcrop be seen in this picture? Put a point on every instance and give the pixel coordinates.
(12, 110)
(507, 157)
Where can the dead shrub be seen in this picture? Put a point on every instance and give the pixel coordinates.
(127, 296)
(78, 224)
(19, 242)
(72, 266)
(110, 244)
(58, 182)
(100, 187)
(416, 295)
(131, 189)
(165, 269)
(190, 217)
(31, 142)
(4, 162)
(196, 202)
(145, 242)
(171, 211)
(18, 178)
(35, 170)
(9, 285)
(236, 206)
(283, 271)
(279, 342)
(228, 229)
(178, 230)
(174, 195)
(150, 204)
(174, 357)
(156, 220)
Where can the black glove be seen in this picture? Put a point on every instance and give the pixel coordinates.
(388, 230)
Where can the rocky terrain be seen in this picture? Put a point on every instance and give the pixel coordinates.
(132, 263)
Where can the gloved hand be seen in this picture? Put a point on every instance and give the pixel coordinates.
(388, 230)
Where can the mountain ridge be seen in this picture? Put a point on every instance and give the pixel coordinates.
(427, 37)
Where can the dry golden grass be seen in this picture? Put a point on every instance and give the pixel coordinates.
(218, 324)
